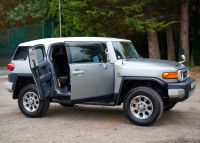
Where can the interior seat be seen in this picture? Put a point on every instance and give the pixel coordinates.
(62, 71)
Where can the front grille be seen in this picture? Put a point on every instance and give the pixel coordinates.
(183, 74)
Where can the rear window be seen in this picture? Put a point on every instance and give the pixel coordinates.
(21, 53)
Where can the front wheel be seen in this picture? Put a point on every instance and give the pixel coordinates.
(143, 106)
(29, 103)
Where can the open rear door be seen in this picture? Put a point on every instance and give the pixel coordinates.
(41, 71)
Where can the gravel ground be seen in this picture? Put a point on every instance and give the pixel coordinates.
(101, 124)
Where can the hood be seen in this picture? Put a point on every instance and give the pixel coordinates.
(154, 63)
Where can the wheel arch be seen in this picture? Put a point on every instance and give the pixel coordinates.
(21, 80)
(129, 83)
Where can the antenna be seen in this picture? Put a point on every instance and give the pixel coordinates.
(60, 19)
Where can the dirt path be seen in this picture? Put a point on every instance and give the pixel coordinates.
(85, 124)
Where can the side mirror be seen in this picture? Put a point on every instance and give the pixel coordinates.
(184, 59)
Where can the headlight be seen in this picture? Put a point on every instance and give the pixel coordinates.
(170, 75)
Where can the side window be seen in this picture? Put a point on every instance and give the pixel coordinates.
(40, 56)
(21, 53)
(87, 53)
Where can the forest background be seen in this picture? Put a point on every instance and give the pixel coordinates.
(163, 29)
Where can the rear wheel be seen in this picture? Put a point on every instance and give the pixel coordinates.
(143, 106)
(29, 103)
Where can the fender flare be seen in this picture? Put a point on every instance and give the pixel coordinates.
(159, 81)
(15, 84)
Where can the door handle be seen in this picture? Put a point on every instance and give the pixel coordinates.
(77, 72)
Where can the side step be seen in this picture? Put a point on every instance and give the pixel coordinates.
(56, 100)
(100, 103)
(65, 101)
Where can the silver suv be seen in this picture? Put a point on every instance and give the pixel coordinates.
(97, 71)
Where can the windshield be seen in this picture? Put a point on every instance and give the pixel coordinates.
(125, 50)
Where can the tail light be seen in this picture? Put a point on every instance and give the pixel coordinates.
(10, 67)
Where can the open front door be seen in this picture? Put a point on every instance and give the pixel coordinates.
(41, 71)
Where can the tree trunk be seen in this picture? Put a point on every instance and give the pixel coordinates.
(184, 29)
(192, 61)
(170, 44)
(198, 10)
(153, 45)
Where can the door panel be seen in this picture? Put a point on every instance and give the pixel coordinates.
(93, 81)
(88, 77)
(41, 71)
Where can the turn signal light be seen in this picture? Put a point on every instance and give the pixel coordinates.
(10, 67)
(170, 75)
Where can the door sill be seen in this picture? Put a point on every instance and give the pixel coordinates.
(101, 103)
(64, 101)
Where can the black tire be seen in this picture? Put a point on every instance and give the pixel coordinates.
(146, 104)
(33, 108)
(169, 107)
(67, 105)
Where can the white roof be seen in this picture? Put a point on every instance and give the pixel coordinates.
(49, 41)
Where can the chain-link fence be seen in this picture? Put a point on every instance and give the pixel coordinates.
(10, 39)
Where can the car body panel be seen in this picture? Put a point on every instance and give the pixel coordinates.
(94, 81)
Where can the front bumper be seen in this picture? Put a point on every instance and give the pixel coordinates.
(180, 91)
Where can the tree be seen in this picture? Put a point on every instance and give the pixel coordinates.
(195, 31)
(169, 12)
(111, 18)
(29, 12)
(2, 18)
(150, 13)
(163, 15)
(117, 18)
(170, 44)
(6, 6)
(70, 26)
(184, 41)
(154, 51)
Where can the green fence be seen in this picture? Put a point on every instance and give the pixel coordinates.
(10, 39)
